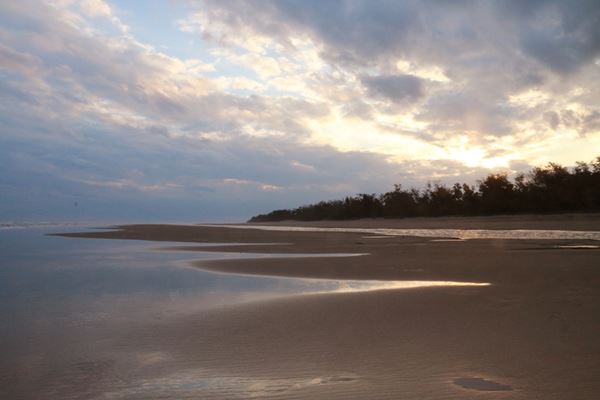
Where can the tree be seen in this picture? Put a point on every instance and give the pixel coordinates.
(552, 188)
(497, 194)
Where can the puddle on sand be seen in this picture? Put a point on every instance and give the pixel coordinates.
(578, 247)
(481, 384)
(436, 233)
(349, 286)
(377, 237)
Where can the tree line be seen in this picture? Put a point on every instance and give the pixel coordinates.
(549, 189)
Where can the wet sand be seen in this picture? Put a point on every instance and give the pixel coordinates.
(532, 334)
(574, 221)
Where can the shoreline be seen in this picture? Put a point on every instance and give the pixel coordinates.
(533, 333)
(506, 261)
(574, 221)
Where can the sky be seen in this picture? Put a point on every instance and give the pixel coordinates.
(219, 110)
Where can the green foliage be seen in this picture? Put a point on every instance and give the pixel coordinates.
(552, 188)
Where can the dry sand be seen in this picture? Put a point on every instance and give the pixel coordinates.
(533, 334)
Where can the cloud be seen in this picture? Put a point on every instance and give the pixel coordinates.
(364, 32)
(397, 88)
(459, 111)
(561, 35)
(283, 102)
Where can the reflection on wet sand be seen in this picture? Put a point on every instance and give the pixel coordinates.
(578, 246)
(198, 382)
(350, 286)
(481, 384)
(112, 320)
(85, 307)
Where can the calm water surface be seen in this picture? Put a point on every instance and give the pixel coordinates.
(66, 304)
(462, 234)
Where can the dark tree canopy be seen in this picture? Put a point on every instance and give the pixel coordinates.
(550, 189)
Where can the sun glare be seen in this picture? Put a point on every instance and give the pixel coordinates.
(471, 157)
(476, 157)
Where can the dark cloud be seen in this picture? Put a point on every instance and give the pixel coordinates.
(552, 118)
(353, 31)
(562, 35)
(397, 88)
(591, 122)
(583, 123)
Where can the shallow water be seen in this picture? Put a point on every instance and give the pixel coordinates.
(462, 234)
(65, 302)
(481, 384)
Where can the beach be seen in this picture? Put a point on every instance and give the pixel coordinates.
(299, 200)
(532, 333)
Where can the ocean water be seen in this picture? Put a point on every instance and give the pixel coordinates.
(67, 303)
